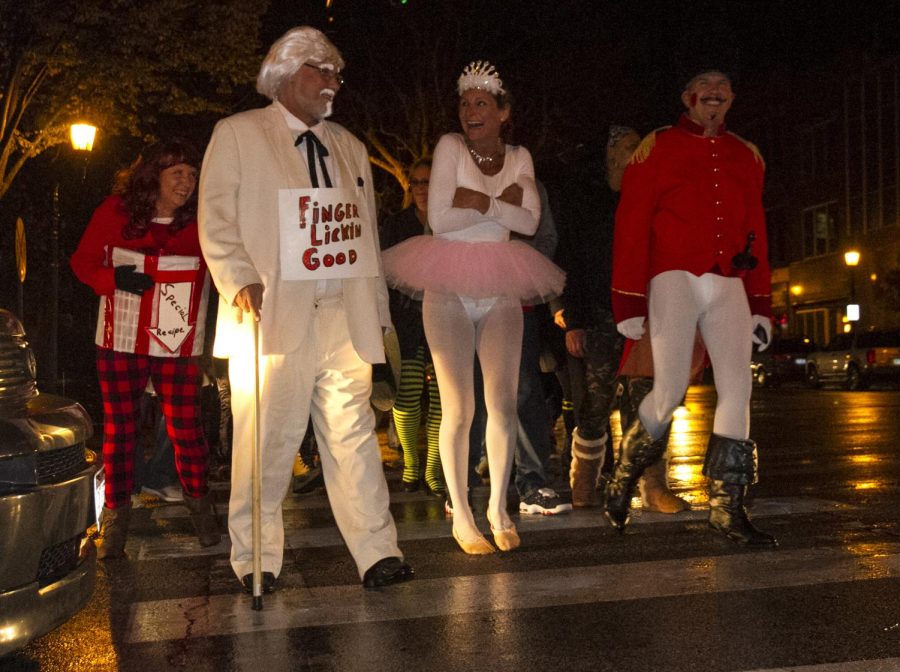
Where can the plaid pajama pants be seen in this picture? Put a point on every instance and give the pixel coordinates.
(123, 378)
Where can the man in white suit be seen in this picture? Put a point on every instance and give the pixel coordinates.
(320, 324)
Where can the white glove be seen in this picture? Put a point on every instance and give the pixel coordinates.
(761, 324)
(632, 328)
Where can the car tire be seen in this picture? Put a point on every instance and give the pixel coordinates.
(852, 380)
(855, 380)
(812, 377)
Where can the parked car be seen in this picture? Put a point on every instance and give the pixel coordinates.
(783, 361)
(856, 359)
(47, 499)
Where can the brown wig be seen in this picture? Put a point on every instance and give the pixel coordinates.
(139, 186)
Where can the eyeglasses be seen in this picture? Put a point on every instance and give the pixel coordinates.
(327, 73)
(418, 183)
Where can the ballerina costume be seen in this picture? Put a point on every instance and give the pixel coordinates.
(473, 281)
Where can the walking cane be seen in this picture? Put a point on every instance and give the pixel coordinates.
(256, 477)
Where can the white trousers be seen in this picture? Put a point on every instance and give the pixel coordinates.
(327, 380)
(679, 302)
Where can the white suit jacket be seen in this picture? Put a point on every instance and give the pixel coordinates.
(250, 156)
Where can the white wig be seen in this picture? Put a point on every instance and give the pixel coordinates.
(290, 52)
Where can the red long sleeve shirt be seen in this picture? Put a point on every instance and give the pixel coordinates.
(90, 262)
(688, 203)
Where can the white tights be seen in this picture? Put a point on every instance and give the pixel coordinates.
(456, 329)
(679, 302)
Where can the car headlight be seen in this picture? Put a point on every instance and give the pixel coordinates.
(17, 364)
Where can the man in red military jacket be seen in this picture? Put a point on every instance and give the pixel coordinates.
(690, 252)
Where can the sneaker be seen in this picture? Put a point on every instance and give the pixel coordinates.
(168, 493)
(544, 502)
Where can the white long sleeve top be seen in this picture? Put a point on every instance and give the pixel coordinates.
(454, 167)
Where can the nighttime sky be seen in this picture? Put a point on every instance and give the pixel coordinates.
(600, 61)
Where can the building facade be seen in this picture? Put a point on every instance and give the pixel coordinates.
(832, 187)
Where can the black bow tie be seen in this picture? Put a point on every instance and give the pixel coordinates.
(314, 147)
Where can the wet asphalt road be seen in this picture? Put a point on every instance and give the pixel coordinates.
(668, 595)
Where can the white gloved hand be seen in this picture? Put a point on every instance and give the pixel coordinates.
(632, 328)
(761, 325)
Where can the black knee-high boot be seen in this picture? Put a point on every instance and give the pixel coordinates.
(731, 466)
(638, 451)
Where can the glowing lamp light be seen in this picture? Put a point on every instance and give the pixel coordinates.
(9, 633)
(796, 290)
(851, 258)
(83, 137)
(853, 312)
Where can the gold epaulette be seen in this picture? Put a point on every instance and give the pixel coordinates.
(643, 150)
(753, 148)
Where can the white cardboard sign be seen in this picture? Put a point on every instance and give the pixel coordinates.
(326, 233)
(159, 322)
(173, 314)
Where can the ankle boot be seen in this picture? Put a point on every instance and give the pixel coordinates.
(655, 493)
(203, 516)
(584, 472)
(113, 532)
(638, 451)
(731, 466)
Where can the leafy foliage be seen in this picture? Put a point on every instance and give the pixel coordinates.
(121, 64)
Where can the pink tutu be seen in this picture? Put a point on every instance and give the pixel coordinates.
(477, 270)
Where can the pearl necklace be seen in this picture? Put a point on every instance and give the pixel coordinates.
(489, 160)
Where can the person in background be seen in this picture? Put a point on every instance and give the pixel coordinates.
(417, 369)
(150, 216)
(591, 336)
(158, 476)
(318, 334)
(690, 252)
(535, 442)
(475, 280)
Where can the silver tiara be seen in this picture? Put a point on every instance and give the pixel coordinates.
(480, 75)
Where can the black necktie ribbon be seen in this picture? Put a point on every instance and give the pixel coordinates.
(314, 147)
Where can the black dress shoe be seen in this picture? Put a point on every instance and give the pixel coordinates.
(440, 492)
(387, 571)
(409, 486)
(268, 583)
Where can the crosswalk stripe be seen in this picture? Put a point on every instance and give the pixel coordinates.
(318, 537)
(878, 665)
(230, 614)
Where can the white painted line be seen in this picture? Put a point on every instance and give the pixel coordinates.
(170, 546)
(291, 503)
(879, 665)
(759, 507)
(320, 537)
(333, 605)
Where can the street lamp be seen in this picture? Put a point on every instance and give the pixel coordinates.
(851, 259)
(82, 138)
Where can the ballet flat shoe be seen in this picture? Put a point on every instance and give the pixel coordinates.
(506, 538)
(479, 546)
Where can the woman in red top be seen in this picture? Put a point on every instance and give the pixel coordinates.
(153, 212)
